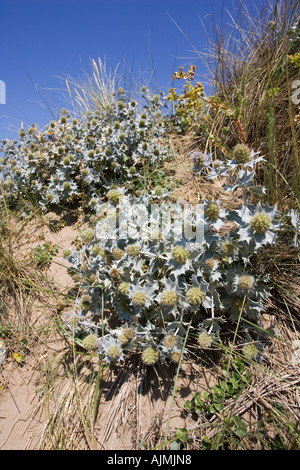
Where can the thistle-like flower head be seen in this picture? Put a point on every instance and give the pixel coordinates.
(90, 342)
(204, 340)
(195, 296)
(168, 298)
(250, 351)
(241, 153)
(150, 356)
(180, 254)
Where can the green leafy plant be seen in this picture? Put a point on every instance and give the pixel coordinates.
(43, 254)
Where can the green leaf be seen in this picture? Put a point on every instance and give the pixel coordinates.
(182, 434)
(188, 405)
(241, 428)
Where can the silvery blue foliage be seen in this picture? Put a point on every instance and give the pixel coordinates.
(74, 159)
(207, 282)
(295, 221)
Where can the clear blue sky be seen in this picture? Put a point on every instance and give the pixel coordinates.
(43, 39)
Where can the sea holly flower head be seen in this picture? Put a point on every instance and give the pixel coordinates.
(126, 335)
(170, 341)
(241, 153)
(168, 298)
(201, 161)
(124, 287)
(112, 349)
(142, 296)
(214, 215)
(212, 211)
(180, 254)
(250, 351)
(257, 223)
(195, 296)
(90, 342)
(150, 356)
(204, 340)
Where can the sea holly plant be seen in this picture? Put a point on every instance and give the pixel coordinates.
(238, 170)
(164, 269)
(75, 159)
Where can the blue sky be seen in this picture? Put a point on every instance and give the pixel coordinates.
(42, 40)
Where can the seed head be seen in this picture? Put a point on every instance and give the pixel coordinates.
(115, 274)
(139, 298)
(210, 263)
(67, 185)
(246, 282)
(212, 211)
(84, 172)
(250, 351)
(260, 223)
(118, 253)
(180, 254)
(86, 302)
(96, 250)
(241, 153)
(89, 342)
(175, 357)
(67, 252)
(155, 236)
(168, 298)
(114, 196)
(124, 287)
(150, 356)
(227, 248)
(114, 352)
(121, 105)
(195, 296)
(128, 334)
(49, 197)
(170, 341)
(88, 235)
(158, 190)
(132, 250)
(204, 340)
